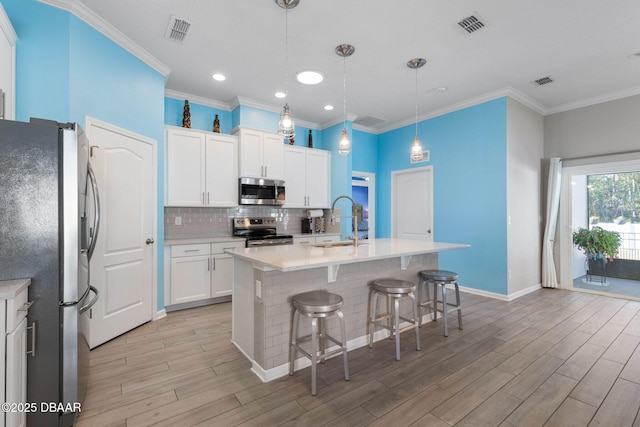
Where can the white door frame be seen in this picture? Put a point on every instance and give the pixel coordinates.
(89, 121)
(566, 249)
(394, 177)
(370, 179)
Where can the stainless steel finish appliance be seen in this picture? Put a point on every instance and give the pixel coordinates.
(259, 191)
(48, 230)
(260, 232)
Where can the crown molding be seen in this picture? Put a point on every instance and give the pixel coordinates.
(7, 28)
(595, 100)
(108, 30)
(169, 93)
(505, 92)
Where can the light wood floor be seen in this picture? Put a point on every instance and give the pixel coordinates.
(553, 358)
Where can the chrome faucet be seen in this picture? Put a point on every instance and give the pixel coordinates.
(354, 216)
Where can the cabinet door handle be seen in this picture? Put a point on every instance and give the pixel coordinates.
(32, 352)
(262, 170)
(209, 264)
(214, 264)
(208, 198)
(266, 174)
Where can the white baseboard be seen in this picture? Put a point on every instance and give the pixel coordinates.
(159, 314)
(500, 297)
(267, 375)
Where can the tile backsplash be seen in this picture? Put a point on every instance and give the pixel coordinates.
(216, 222)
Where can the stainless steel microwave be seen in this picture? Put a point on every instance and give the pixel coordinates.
(260, 191)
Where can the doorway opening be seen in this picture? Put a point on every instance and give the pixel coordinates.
(606, 196)
(363, 191)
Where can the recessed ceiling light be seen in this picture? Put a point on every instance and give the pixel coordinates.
(280, 94)
(219, 77)
(309, 77)
(441, 89)
(328, 107)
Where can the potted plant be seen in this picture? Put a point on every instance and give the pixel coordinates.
(597, 243)
(600, 246)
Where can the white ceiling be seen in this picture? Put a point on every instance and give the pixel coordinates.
(585, 46)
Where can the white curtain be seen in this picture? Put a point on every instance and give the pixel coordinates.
(549, 277)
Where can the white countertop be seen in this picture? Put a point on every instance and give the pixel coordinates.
(10, 288)
(302, 257)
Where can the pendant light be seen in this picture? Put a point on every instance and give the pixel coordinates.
(344, 145)
(286, 126)
(416, 147)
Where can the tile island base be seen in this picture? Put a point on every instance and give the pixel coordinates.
(262, 294)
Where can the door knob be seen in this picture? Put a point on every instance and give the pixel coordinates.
(429, 231)
(150, 241)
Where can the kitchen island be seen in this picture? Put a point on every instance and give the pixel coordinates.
(266, 278)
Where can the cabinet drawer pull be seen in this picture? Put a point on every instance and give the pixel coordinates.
(32, 352)
(25, 306)
(192, 250)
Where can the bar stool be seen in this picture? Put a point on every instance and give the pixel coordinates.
(394, 290)
(317, 305)
(440, 278)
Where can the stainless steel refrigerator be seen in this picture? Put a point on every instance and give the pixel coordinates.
(49, 220)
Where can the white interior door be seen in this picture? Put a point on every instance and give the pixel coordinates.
(122, 265)
(412, 212)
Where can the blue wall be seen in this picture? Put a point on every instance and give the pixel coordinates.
(201, 115)
(468, 154)
(65, 71)
(365, 151)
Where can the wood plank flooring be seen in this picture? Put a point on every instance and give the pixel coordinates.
(551, 358)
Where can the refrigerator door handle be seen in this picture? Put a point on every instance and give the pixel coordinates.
(92, 302)
(72, 303)
(96, 203)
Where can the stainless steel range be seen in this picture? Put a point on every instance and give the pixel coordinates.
(260, 232)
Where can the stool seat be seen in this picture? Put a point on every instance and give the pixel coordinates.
(393, 286)
(439, 275)
(318, 302)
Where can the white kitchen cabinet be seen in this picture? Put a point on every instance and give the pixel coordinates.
(222, 268)
(190, 273)
(307, 177)
(13, 321)
(8, 40)
(261, 154)
(201, 168)
(200, 272)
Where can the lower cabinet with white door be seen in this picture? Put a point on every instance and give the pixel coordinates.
(199, 274)
(13, 323)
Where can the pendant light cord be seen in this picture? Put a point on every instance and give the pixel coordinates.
(344, 103)
(416, 101)
(286, 54)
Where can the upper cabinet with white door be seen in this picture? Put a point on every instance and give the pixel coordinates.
(307, 177)
(201, 168)
(261, 154)
(8, 39)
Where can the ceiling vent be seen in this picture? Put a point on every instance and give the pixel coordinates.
(543, 81)
(471, 23)
(177, 29)
(369, 121)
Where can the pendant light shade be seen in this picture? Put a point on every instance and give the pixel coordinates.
(344, 145)
(416, 147)
(286, 125)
